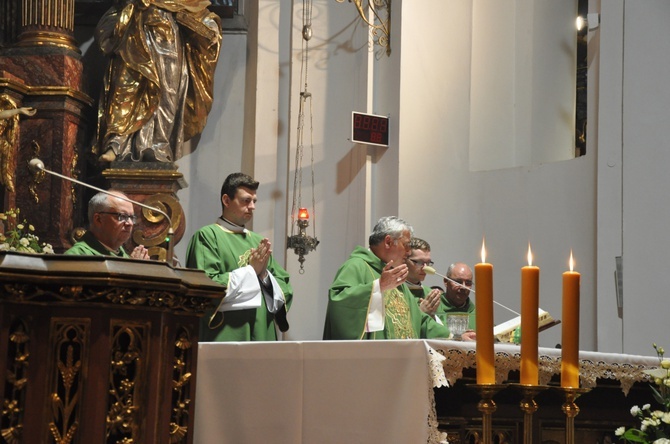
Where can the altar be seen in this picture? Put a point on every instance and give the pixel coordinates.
(404, 391)
(615, 382)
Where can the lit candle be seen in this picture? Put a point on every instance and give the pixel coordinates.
(530, 305)
(484, 321)
(570, 330)
(303, 214)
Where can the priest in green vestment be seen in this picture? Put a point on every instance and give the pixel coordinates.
(368, 298)
(419, 257)
(111, 222)
(456, 298)
(258, 293)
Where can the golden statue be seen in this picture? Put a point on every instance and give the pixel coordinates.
(9, 125)
(158, 86)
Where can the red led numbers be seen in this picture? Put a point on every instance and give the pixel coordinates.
(370, 128)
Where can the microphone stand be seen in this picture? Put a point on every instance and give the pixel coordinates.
(37, 165)
(430, 270)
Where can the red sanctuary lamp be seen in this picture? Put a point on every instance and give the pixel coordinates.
(301, 243)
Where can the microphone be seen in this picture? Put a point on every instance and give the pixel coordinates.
(36, 165)
(430, 270)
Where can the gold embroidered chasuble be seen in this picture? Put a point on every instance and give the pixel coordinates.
(349, 302)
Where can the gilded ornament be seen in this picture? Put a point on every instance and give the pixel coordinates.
(158, 89)
(9, 127)
(397, 310)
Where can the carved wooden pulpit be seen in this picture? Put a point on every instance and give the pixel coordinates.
(99, 349)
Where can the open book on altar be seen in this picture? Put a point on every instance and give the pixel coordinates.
(505, 332)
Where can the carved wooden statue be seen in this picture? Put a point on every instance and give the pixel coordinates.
(158, 86)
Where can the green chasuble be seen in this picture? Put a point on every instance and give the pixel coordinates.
(469, 308)
(418, 291)
(218, 251)
(349, 301)
(88, 245)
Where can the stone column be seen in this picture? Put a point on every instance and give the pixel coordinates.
(47, 22)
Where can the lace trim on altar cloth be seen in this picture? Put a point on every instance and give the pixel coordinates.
(447, 359)
(627, 373)
(436, 378)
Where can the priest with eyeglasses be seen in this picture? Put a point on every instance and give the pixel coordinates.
(456, 298)
(111, 221)
(428, 298)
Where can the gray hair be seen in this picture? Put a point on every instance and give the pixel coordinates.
(99, 203)
(450, 270)
(389, 225)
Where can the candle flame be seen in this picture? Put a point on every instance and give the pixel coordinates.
(572, 262)
(483, 251)
(303, 214)
(530, 256)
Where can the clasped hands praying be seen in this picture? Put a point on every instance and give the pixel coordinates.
(259, 258)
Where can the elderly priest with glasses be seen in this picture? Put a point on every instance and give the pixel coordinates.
(111, 223)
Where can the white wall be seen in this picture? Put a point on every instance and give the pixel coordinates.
(608, 67)
(522, 81)
(549, 205)
(645, 161)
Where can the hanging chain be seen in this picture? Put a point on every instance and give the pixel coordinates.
(305, 95)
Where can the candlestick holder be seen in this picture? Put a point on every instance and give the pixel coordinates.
(528, 407)
(486, 406)
(571, 410)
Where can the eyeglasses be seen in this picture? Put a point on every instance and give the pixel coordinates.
(122, 217)
(463, 282)
(421, 264)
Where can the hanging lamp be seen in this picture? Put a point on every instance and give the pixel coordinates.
(299, 240)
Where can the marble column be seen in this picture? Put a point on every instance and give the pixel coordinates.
(41, 65)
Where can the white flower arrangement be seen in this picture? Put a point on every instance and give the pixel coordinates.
(654, 424)
(18, 236)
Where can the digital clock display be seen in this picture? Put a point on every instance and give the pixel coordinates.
(369, 128)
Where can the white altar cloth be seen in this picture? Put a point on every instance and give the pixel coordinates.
(313, 392)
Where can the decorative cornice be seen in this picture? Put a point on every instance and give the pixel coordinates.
(139, 174)
(105, 280)
(54, 91)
